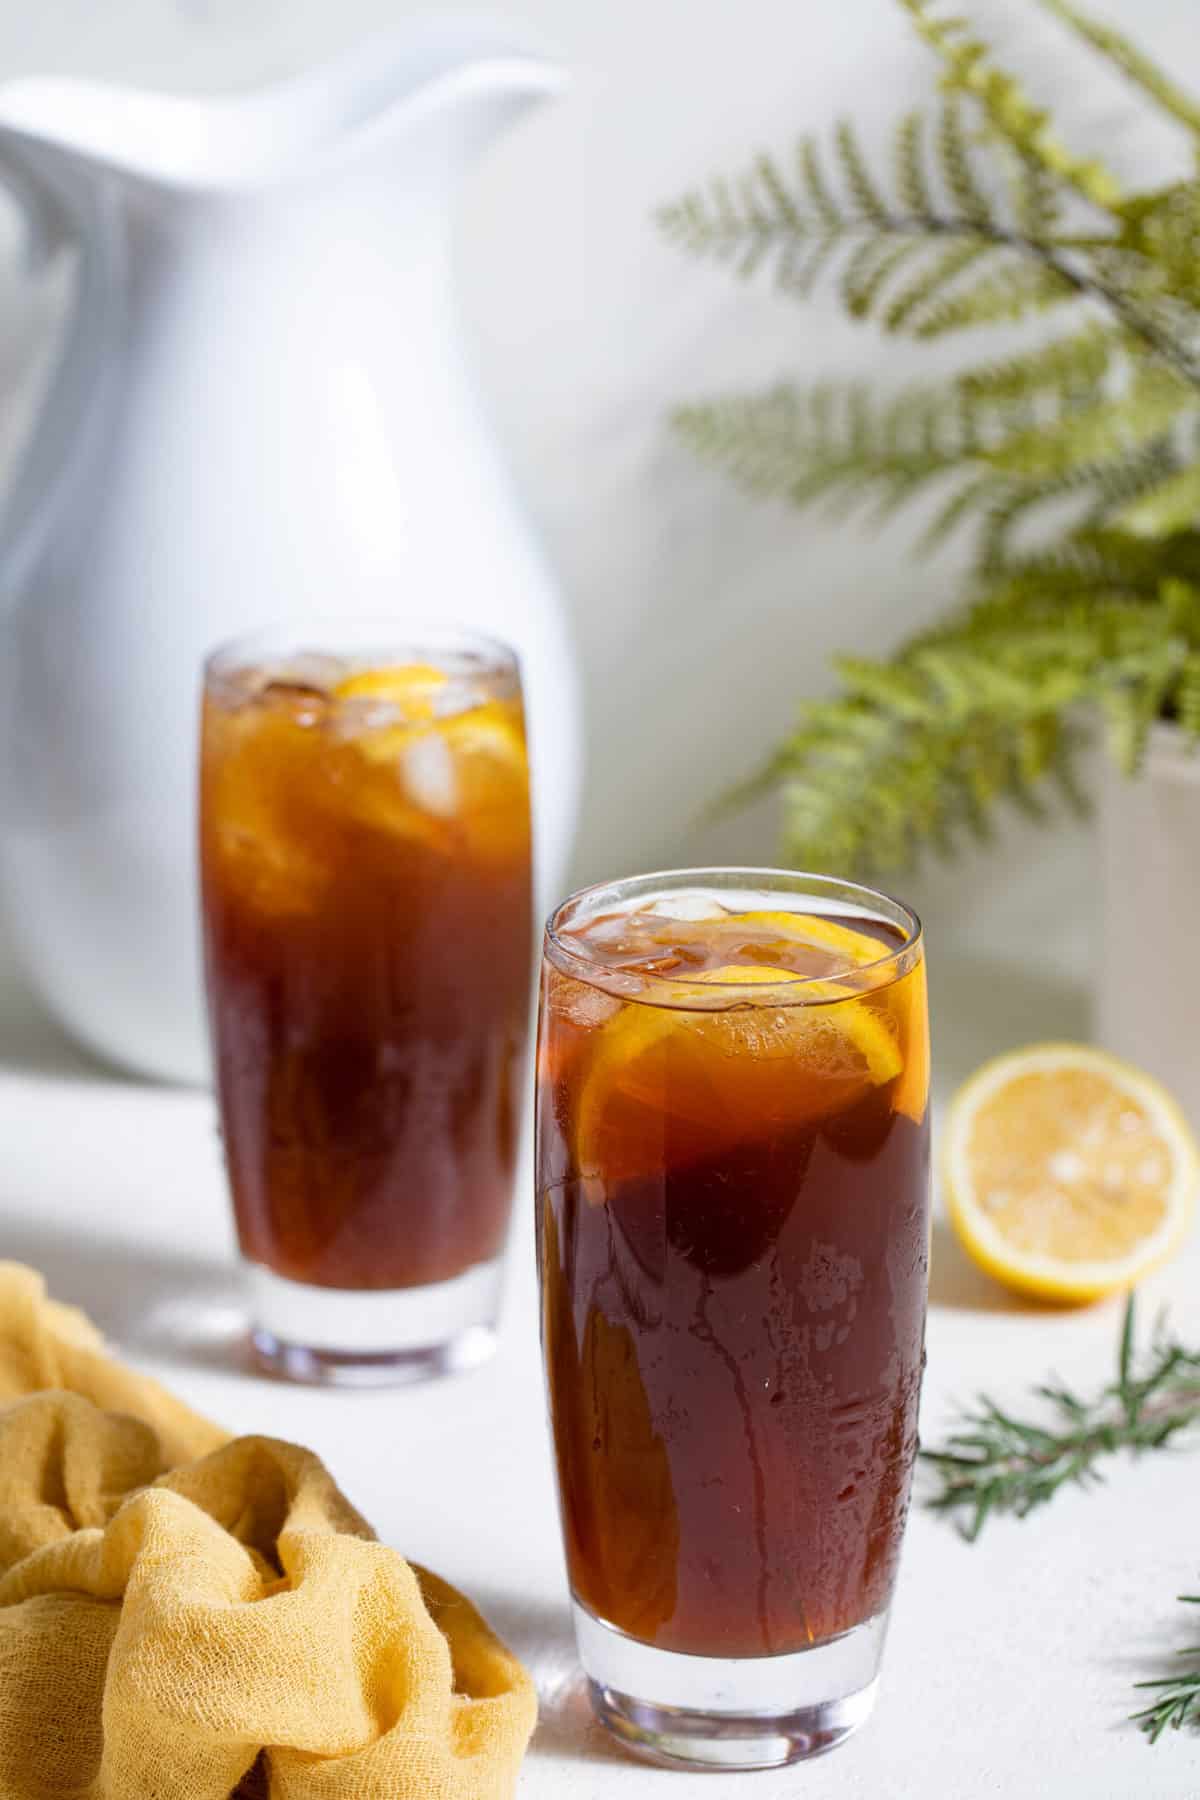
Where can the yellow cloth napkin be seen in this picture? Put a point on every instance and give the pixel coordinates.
(186, 1617)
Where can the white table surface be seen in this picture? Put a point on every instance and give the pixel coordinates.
(1010, 1662)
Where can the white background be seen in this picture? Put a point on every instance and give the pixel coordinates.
(700, 615)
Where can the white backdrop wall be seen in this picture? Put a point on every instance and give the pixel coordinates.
(700, 615)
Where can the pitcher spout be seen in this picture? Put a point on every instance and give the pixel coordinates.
(464, 72)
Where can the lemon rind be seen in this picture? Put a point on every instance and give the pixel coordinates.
(1048, 1277)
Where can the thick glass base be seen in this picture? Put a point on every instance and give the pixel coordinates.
(711, 1712)
(344, 1337)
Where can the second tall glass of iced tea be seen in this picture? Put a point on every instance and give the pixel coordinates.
(733, 1234)
(365, 856)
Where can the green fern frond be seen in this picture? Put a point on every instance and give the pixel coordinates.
(868, 202)
(1132, 62)
(1094, 566)
(1171, 505)
(948, 731)
(933, 288)
(1116, 484)
(981, 496)
(1069, 368)
(839, 446)
(1035, 198)
(1187, 697)
(997, 300)
(1077, 459)
(967, 68)
(815, 186)
(1113, 427)
(834, 445)
(1181, 601)
(954, 157)
(870, 269)
(912, 181)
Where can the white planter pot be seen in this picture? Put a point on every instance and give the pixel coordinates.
(1148, 983)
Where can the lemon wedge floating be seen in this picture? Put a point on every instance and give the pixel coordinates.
(667, 1083)
(411, 686)
(467, 770)
(1068, 1173)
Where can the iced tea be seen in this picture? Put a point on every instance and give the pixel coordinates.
(365, 850)
(733, 1239)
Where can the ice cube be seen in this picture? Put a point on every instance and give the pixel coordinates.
(358, 717)
(457, 697)
(686, 908)
(430, 776)
(313, 669)
(586, 1006)
(304, 705)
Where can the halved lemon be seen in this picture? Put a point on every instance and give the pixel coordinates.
(1068, 1173)
(666, 1086)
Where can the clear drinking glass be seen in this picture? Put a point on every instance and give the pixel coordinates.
(733, 1236)
(365, 858)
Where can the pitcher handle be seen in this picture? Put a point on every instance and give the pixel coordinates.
(59, 211)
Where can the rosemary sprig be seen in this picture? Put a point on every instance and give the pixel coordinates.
(1178, 1702)
(995, 1462)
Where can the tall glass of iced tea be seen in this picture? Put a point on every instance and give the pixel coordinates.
(365, 856)
(733, 1235)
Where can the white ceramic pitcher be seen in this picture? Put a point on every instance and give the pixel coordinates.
(260, 414)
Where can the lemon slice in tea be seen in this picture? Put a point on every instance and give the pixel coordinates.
(667, 1086)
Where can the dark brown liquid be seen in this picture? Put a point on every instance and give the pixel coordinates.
(733, 1336)
(368, 972)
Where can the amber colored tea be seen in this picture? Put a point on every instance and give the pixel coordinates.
(733, 1238)
(365, 848)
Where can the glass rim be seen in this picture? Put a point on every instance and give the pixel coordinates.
(425, 639)
(654, 989)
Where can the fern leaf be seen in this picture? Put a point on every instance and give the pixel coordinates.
(1116, 484)
(781, 206)
(828, 444)
(1131, 709)
(1181, 603)
(932, 286)
(816, 186)
(1038, 741)
(1078, 458)
(888, 688)
(1112, 427)
(967, 68)
(869, 270)
(868, 201)
(912, 181)
(1132, 62)
(1091, 550)
(996, 299)
(1187, 697)
(1171, 505)
(954, 156)
(979, 495)
(1034, 197)
(925, 747)
(1064, 368)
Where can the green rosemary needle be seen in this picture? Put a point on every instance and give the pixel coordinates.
(1178, 1700)
(996, 1462)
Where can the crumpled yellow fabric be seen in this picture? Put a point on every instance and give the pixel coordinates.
(185, 1616)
